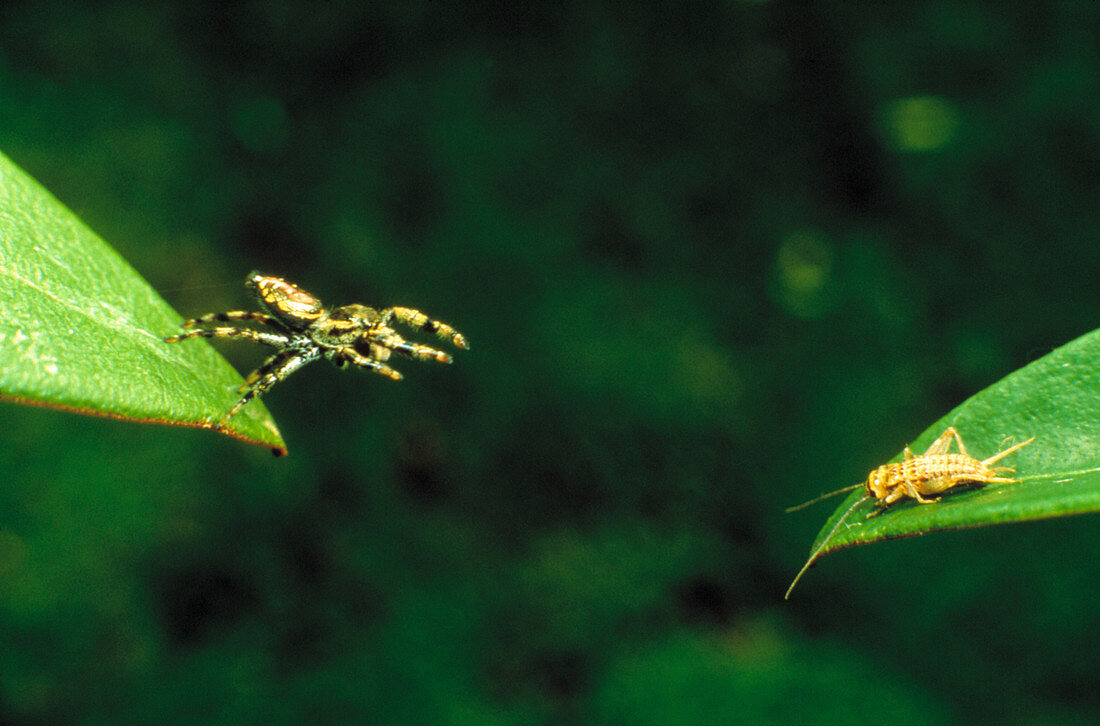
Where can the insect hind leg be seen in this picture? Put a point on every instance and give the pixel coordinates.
(943, 443)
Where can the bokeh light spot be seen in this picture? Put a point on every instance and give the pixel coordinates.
(921, 123)
(803, 266)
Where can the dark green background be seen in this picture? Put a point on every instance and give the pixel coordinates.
(712, 258)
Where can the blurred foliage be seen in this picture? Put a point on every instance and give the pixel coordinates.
(712, 258)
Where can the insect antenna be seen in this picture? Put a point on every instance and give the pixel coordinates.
(825, 541)
(822, 498)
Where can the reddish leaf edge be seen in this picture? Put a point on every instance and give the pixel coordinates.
(825, 550)
(277, 451)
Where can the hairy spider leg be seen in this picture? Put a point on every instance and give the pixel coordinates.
(229, 317)
(389, 339)
(419, 321)
(350, 355)
(276, 368)
(273, 339)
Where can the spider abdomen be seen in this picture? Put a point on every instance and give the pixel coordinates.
(290, 304)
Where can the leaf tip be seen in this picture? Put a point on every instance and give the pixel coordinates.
(809, 563)
(272, 439)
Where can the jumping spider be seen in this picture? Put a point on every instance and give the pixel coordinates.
(305, 331)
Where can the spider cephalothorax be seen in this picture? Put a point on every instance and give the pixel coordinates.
(302, 331)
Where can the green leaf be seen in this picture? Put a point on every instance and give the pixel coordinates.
(81, 331)
(1056, 399)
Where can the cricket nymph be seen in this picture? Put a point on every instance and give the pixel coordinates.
(921, 478)
(934, 472)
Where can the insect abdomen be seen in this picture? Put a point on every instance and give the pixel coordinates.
(939, 466)
(930, 473)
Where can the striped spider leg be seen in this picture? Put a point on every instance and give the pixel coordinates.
(292, 354)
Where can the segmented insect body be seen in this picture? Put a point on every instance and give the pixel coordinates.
(922, 478)
(301, 330)
(935, 472)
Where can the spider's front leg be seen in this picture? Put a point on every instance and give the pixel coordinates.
(340, 356)
(391, 340)
(419, 321)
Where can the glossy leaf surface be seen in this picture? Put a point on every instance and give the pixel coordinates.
(1056, 399)
(80, 330)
